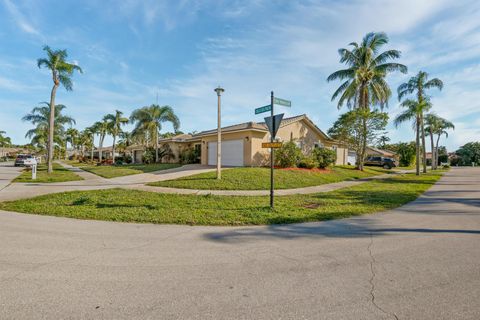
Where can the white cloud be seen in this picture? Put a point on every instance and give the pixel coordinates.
(20, 19)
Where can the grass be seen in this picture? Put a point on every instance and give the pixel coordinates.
(148, 207)
(259, 178)
(60, 174)
(122, 170)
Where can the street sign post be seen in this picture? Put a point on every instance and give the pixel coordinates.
(263, 109)
(34, 171)
(275, 145)
(273, 124)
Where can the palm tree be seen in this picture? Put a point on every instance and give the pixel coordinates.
(4, 141)
(72, 135)
(148, 122)
(61, 74)
(365, 84)
(40, 118)
(432, 122)
(102, 129)
(115, 122)
(440, 128)
(90, 132)
(414, 112)
(418, 84)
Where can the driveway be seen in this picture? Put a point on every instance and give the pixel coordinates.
(420, 261)
(15, 191)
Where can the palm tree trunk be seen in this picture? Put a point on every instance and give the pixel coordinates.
(424, 151)
(156, 146)
(113, 149)
(436, 149)
(100, 151)
(434, 163)
(417, 145)
(51, 128)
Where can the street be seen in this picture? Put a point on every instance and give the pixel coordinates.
(420, 261)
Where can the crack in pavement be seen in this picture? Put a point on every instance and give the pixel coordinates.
(372, 280)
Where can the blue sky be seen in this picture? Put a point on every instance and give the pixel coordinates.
(131, 51)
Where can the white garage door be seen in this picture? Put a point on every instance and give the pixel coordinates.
(232, 153)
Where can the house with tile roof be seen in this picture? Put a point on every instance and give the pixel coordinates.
(242, 143)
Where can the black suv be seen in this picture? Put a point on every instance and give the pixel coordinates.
(387, 163)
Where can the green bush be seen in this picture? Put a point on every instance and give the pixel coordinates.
(148, 156)
(189, 155)
(308, 162)
(288, 155)
(446, 166)
(324, 157)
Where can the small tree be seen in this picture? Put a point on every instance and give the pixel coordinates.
(350, 129)
(288, 155)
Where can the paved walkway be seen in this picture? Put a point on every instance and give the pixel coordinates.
(93, 182)
(420, 261)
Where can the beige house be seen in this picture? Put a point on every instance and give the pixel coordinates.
(242, 143)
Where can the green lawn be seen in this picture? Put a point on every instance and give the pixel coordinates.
(60, 174)
(141, 206)
(259, 178)
(122, 170)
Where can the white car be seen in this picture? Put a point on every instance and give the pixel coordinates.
(29, 162)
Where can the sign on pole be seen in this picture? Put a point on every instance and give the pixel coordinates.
(282, 102)
(275, 145)
(263, 109)
(273, 124)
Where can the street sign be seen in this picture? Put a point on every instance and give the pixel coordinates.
(272, 145)
(273, 123)
(282, 102)
(263, 109)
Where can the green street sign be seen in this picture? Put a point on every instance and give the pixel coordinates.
(263, 109)
(282, 102)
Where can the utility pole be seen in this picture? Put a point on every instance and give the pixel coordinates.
(272, 153)
(219, 91)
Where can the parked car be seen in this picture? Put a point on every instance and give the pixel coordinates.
(25, 160)
(387, 163)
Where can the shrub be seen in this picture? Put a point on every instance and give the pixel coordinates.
(148, 156)
(324, 157)
(446, 166)
(288, 155)
(308, 162)
(189, 155)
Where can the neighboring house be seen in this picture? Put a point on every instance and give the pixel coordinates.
(12, 151)
(242, 143)
(372, 151)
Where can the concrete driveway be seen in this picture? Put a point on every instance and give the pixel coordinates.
(421, 261)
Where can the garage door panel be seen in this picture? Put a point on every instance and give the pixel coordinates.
(232, 153)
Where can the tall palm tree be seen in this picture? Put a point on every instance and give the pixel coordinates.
(61, 74)
(413, 111)
(115, 123)
(148, 122)
(443, 126)
(102, 128)
(432, 122)
(364, 83)
(40, 118)
(418, 85)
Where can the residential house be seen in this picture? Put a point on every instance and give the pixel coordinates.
(242, 143)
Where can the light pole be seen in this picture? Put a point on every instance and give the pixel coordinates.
(219, 91)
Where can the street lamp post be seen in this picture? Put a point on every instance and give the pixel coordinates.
(219, 91)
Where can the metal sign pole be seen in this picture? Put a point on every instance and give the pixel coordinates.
(271, 153)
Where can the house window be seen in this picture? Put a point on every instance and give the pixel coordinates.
(319, 144)
(198, 149)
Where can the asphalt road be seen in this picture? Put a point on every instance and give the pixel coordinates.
(421, 261)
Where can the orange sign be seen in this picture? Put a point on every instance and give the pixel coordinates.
(271, 145)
